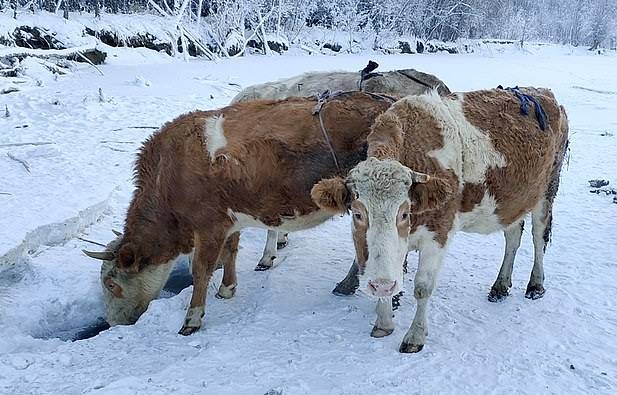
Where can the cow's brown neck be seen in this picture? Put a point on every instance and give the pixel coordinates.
(151, 231)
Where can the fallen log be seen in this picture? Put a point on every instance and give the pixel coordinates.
(91, 55)
(10, 89)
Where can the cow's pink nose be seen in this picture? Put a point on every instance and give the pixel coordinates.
(381, 288)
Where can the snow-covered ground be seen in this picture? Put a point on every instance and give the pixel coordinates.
(284, 331)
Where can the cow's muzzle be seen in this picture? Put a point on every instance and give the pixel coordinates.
(381, 288)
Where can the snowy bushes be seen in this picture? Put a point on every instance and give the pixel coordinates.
(226, 28)
(575, 22)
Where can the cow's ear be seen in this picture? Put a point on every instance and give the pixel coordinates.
(331, 195)
(429, 193)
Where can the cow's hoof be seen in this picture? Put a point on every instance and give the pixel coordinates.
(262, 268)
(226, 292)
(380, 332)
(188, 330)
(265, 264)
(346, 287)
(534, 292)
(497, 295)
(410, 348)
(281, 244)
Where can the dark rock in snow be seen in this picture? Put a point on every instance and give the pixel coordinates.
(95, 56)
(598, 183)
(405, 47)
(32, 37)
(419, 47)
(333, 47)
(275, 46)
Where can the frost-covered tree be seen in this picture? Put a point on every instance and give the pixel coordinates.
(578, 22)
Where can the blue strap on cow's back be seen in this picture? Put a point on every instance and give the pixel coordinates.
(525, 99)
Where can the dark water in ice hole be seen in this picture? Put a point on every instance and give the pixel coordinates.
(179, 279)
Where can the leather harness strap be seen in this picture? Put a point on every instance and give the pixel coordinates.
(416, 80)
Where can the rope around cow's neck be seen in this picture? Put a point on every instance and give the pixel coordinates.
(322, 99)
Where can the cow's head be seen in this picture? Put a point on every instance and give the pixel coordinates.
(127, 294)
(382, 196)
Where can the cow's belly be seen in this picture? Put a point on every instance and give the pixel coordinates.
(288, 224)
(482, 219)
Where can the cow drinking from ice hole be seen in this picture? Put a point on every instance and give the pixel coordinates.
(207, 175)
(437, 165)
(127, 294)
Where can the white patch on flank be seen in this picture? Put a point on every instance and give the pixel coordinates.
(482, 219)
(467, 150)
(288, 224)
(215, 134)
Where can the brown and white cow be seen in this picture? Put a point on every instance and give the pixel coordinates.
(437, 165)
(127, 295)
(394, 83)
(208, 174)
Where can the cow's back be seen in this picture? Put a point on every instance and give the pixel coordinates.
(397, 83)
(404, 82)
(501, 161)
(303, 85)
(268, 151)
(530, 153)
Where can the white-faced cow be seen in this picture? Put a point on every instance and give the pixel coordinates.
(437, 165)
(208, 174)
(397, 83)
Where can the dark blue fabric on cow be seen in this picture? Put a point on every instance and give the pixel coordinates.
(525, 99)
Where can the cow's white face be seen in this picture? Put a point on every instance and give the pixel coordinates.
(380, 216)
(381, 195)
(127, 295)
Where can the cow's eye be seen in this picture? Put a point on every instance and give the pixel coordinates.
(404, 216)
(357, 216)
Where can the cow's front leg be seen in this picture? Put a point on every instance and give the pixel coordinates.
(431, 257)
(208, 246)
(229, 283)
(350, 283)
(267, 259)
(384, 324)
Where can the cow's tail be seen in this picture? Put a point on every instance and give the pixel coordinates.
(560, 157)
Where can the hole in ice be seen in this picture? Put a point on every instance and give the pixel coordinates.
(179, 279)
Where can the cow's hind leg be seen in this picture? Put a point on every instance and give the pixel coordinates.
(267, 259)
(208, 246)
(384, 324)
(502, 284)
(350, 283)
(229, 283)
(542, 218)
(431, 258)
(281, 240)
